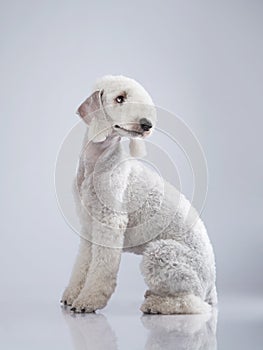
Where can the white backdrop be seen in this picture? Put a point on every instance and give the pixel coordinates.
(199, 59)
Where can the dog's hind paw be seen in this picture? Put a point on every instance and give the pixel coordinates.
(177, 304)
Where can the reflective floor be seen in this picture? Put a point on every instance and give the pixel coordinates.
(237, 325)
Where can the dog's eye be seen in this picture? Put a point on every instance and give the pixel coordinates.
(120, 99)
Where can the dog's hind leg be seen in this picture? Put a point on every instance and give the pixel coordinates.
(169, 269)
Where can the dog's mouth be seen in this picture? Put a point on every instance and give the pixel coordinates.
(128, 131)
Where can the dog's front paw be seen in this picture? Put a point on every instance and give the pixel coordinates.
(70, 294)
(88, 303)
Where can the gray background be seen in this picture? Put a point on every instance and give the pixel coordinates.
(199, 59)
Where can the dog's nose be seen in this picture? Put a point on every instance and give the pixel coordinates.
(145, 124)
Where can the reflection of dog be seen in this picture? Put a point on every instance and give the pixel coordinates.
(90, 331)
(123, 205)
(185, 332)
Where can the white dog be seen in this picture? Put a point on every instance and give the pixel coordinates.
(124, 206)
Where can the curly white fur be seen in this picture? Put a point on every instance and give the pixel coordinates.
(124, 206)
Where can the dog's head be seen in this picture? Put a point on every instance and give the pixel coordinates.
(118, 106)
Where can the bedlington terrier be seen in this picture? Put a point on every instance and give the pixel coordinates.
(123, 205)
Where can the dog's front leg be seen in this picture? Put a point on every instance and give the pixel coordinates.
(79, 273)
(102, 275)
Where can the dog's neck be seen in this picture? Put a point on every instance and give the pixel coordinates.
(92, 151)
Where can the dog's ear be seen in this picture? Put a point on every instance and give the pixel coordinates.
(92, 112)
(91, 105)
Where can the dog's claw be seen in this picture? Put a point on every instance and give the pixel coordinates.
(65, 302)
(73, 309)
(83, 310)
